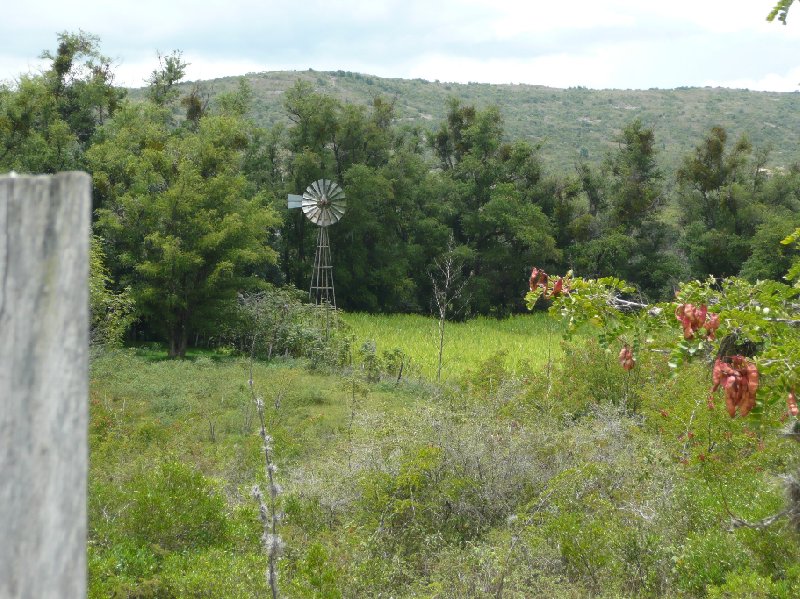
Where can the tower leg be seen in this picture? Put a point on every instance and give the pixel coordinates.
(321, 290)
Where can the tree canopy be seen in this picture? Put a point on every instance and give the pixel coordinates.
(190, 196)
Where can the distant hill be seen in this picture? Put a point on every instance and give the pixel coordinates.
(570, 123)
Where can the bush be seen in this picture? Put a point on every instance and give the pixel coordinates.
(172, 507)
(277, 322)
(111, 313)
(315, 575)
(707, 558)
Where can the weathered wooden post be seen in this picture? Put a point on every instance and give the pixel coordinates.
(44, 337)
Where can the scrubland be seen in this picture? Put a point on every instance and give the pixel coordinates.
(536, 468)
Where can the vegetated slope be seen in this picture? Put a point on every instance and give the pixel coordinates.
(571, 123)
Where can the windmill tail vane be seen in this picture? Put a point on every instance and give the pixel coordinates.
(323, 203)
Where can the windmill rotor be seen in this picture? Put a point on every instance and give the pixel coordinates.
(323, 203)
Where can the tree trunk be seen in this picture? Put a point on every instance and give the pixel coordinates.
(178, 338)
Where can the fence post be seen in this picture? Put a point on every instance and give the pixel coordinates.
(44, 356)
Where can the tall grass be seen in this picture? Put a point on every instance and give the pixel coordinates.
(527, 341)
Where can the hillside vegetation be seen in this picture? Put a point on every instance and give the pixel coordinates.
(571, 124)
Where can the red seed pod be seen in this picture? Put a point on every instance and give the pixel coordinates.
(730, 405)
(686, 321)
(748, 403)
(712, 324)
(626, 358)
(534, 280)
(752, 378)
(791, 402)
(700, 314)
(717, 374)
(557, 288)
(679, 311)
(693, 318)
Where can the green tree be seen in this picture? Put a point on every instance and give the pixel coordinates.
(329, 139)
(111, 313)
(623, 234)
(48, 120)
(635, 181)
(496, 205)
(721, 200)
(161, 88)
(185, 233)
(769, 258)
(709, 178)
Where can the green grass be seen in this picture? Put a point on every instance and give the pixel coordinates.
(527, 341)
(406, 489)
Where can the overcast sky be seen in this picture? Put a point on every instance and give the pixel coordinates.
(624, 44)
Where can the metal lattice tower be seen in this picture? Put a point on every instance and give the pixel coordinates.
(321, 290)
(324, 204)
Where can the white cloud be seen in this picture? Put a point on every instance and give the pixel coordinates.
(558, 70)
(787, 82)
(607, 43)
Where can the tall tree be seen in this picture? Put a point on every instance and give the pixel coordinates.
(625, 235)
(47, 121)
(496, 208)
(179, 217)
(635, 192)
(713, 199)
(709, 177)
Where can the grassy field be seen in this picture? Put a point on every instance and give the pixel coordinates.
(520, 342)
(582, 480)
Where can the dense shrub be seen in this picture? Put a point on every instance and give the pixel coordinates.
(277, 322)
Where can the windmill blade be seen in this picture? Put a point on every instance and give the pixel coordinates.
(321, 219)
(336, 193)
(336, 212)
(323, 202)
(316, 216)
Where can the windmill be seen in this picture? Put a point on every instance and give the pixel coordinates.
(323, 204)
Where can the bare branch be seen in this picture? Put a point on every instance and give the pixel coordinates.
(759, 524)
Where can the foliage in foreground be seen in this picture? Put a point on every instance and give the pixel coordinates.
(577, 479)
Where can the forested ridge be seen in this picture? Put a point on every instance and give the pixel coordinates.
(570, 123)
(190, 187)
